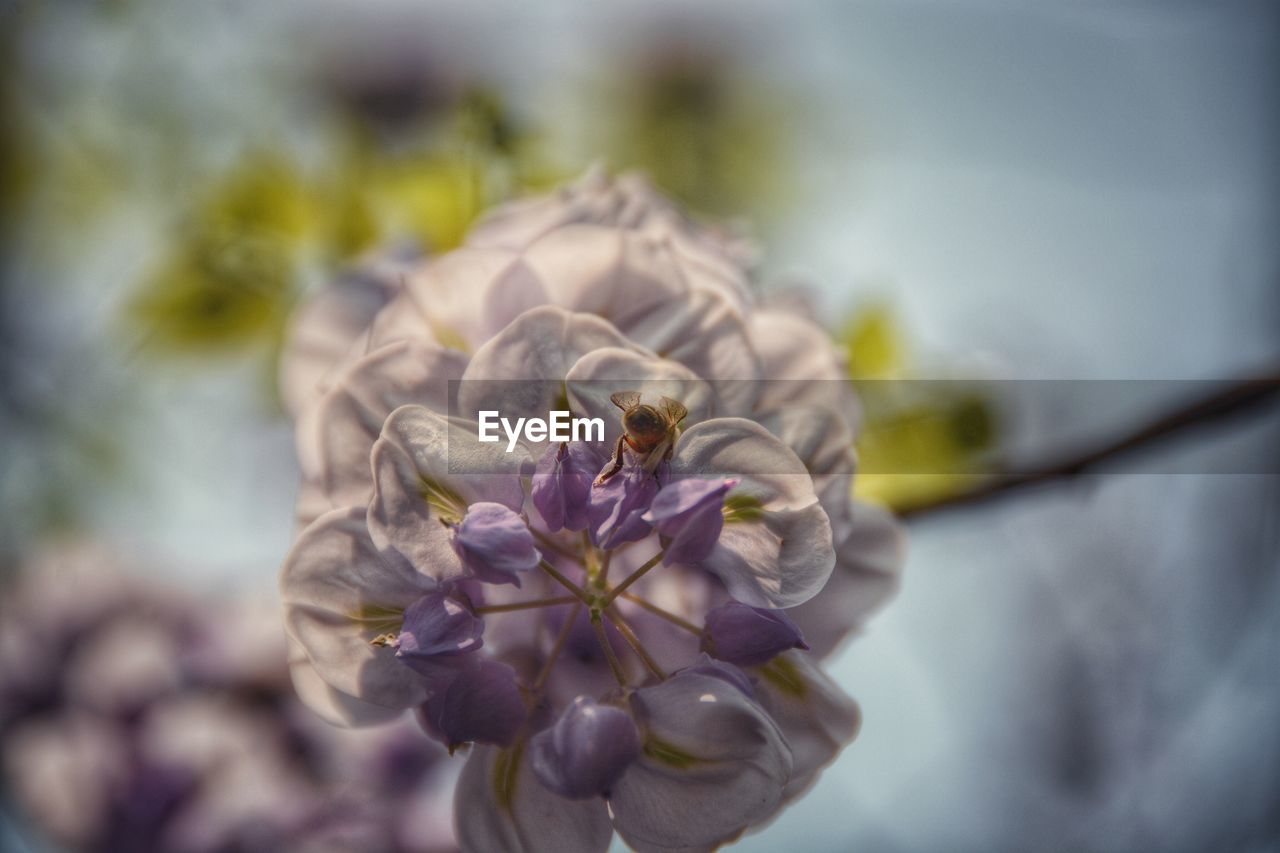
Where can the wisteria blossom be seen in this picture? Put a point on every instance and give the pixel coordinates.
(622, 637)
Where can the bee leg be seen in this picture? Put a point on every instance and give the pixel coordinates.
(615, 467)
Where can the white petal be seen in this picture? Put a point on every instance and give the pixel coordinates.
(460, 299)
(338, 595)
(801, 364)
(868, 573)
(614, 273)
(735, 447)
(521, 371)
(332, 705)
(714, 763)
(824, 442)
(782, 560)
(816, 716)
(706, 333)
(341, 429)
(324, 327)
(421, 449)
(783, 557)
(499, 805)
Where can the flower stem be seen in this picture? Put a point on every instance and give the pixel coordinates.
(561, 639)
(614, 664)
(634, 642)
(632, 578)
(577, 591)
(590, 559)
(665, 614)
(526, 605)
(602, 579)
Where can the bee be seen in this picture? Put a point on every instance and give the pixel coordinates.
(649, 431)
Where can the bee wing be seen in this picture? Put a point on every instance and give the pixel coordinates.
(674, 408)
(626, 399)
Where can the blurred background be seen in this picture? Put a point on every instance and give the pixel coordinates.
(967, 190)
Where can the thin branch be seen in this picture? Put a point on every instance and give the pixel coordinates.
(636, 646)
(561, 639)
(602, 577)
(577, 591)
(1239, 397)
(615, 665)
(632, 578)
(526, 605)
(664, 613)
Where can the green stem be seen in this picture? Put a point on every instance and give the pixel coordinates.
(526, 605)
(577, 591)
(665, 614)
(614, 664)
(634, 642)
(561, 639)
(632, 578)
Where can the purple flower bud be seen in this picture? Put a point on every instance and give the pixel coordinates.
(617, 505)
(482, 703)
(749, 636)
(689, 513)
(562, 485)
(586, 751)
(495, 543)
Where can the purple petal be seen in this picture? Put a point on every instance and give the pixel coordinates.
(726, 672)
(586, 751)
(749, 636)
(495, 543)
(617, 506)
(438, 625)
(562, 485)
(482, 704)
(689, 513)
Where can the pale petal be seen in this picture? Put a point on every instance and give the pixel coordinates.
(816, 716)
(499, 805)
(779, 554)
(341, 428)
(462, 298)
(713, 764)
(800, 364)
(781, 560)
(322, 330)
(427, 469)
(339, 594)
(521, 371)
(332, 705)
(707, 334)
(868, 573)
(617, 274)
(744, 450)
(824, 442)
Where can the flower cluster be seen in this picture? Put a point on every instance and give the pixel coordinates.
(134, 718)
(624, 636)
